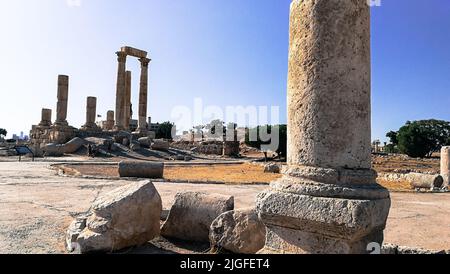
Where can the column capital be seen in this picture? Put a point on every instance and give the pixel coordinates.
(144, 61)
(121, 56)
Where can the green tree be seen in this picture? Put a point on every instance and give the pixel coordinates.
(421, 139)
(3, 132)
(253, 139)
(165, 131)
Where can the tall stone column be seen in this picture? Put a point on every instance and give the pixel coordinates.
(328, 200)
(63, 96)
(127, 101)
(143, 94)
(91, 113)
(445, 165)
(46, 118)
(120, 89)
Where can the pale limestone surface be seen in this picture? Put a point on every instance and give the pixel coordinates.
(328, 200)
(124, 217)
(239, 231)
(192, 214)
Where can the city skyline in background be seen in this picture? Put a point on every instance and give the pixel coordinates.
(228, 53)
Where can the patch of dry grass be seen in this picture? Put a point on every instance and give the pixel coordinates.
(236, 174)
(401, 186)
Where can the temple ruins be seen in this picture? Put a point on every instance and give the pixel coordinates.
(61, 132)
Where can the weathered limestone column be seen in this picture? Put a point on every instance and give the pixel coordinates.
(109, 120)
(120, 90)
(127, 101)
(328, 200)
(445, 165)
(91, 113)
(143, 94)
(63, 96)
(46, 118)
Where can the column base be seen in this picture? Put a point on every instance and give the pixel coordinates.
(307, 217)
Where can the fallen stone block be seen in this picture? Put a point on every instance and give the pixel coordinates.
(238, 231)
(53, 150)
(74, 145)
(125, 217)
(192, 214)
(141, 169)
(427, 181)
(160, 145)
(145, 142)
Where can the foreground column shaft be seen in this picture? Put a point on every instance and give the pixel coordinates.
(143, 94)
(328, 200)
(63, 95)
(120, 90)
(445, 165)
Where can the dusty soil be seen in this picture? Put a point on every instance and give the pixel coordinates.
(37, 206)
(404, 164)
(230, 174)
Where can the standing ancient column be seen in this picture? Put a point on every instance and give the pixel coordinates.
(46, 118)
(127, 101)
(445, 165)
(120, 90)
(328, 200)
(109, 120)
(91, 113)
(143, 94)
(63, 96)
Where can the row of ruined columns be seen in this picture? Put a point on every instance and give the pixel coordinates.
(61, 109)
(123, 94)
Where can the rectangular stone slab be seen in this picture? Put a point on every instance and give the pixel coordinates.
(134, 52)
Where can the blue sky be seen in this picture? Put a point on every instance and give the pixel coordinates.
(231, 52)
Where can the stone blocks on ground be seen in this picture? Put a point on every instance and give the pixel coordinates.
(238, 231)
(161, 145)
(74, 145)
(427, 181)
(125, 217)
(53, 150)
(136, 169)
(192, 214)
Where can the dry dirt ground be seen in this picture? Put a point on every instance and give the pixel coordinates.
(37, 205)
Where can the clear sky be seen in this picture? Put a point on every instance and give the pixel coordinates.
(226, 52)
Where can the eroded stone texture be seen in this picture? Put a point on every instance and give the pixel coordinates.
(445, 165)
(192, 214)
(328, 200)
(125, 217)
(238, 231)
